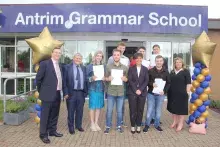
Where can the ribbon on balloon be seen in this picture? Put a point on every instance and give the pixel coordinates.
(202, 52)
(42, 47)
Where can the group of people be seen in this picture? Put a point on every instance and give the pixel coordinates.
(77, 81)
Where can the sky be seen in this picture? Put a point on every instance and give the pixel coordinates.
(213, 8)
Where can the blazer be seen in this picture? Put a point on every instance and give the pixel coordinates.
(137, 83)
(46, 80)
(68, 80)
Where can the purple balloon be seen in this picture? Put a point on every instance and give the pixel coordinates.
(198, 65)
(199, 90)
(202, 108)
(196, 71)
(193, 77)
(208, 78)
(205, 84)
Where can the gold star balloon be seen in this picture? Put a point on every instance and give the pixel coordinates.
(203, 49)
(43, 46)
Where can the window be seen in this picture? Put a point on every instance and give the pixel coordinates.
(20, 85)
(10, 86)
(23, 59)
(7, 59)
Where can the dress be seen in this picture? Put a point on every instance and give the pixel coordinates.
(177, 94)
(96, 90)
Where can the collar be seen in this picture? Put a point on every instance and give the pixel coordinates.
(155, 69)
(118, 64)
(177, 71)
(54, 61)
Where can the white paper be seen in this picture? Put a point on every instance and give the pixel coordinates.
(160, 86)
(124, 61)
(98, 72)
(116, 75)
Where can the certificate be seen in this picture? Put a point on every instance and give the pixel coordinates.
(160, 86)
(116, 74)
(98, 72)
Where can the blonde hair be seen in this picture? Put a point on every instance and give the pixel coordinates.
(96, 53)
(121, 44)
(178, 59)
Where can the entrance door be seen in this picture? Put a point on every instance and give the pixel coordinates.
(131, 48)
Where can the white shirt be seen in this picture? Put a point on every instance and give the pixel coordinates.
(138, 70)
(58, 74)
(177, 71)
(146, 63)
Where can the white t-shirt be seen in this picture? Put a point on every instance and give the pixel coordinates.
(138, 70)
(146, 63)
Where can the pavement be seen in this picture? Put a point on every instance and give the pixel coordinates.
(27, 134)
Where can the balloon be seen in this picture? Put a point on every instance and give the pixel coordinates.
(38, 113)
(208, 78)
(196, 114)
(207, 90)
(39, 102)
(194, 96)
(38, 107)
(195, 84)
(203, 97)
(200, 78)
(198, 65)
(192, 89)
(37, 119)
(191, 118)
(193, 107)
(196, 71)
(203, 49)
(191, 112)
(36, 94)
(198, 102)
(201, 119)
(193, 77)
(199, 90)
(43, 46)
(205, 84)
(205, 71)
(205, 114)
(192, 100)
(202, 108)
(207, 103)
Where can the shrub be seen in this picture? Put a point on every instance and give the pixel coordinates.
(215, 104)
(16, 106)
(31, 99)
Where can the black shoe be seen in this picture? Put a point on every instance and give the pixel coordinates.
(159, 129)
(80, 129)
(145, 130)
(45, 140)
(107, 130)
(55, 134)
(71, 131)
(161, 123)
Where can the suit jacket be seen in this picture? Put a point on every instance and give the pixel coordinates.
(137, 83)
(46, 80)
(68, 80)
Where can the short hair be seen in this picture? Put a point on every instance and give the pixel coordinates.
(121, 44)
(141, 47)
(96, 53)
(159, 57)
(156, 45)
(136, 55)
(116, 50)
(77, 54)
(56, 48)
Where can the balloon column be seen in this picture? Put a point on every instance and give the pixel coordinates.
(202, 52)
(42, 47)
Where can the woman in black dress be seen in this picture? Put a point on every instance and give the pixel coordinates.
(178, 93)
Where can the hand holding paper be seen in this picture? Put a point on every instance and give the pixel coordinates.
(159, 86)
(116, 75)
(98, 72)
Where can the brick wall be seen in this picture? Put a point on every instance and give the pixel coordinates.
(214, 36)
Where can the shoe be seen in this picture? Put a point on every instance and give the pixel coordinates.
(159, 129)
(72, 131)
(145, 130)
(119, 129)
(132, 130)
(107, 130)
(45, 140)
(81, 129)
(93, 127)
(97, 127)
(55, 134)
(138, 129)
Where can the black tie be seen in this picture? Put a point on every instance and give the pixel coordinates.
(78, 78)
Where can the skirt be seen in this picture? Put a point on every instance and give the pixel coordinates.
(96, 100)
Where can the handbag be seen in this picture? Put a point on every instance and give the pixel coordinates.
(197, 128)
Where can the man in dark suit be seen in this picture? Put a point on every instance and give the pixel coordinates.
(49, 85)
(75, 91)
(137, 92)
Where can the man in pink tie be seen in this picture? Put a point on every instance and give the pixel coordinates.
(49, 85)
